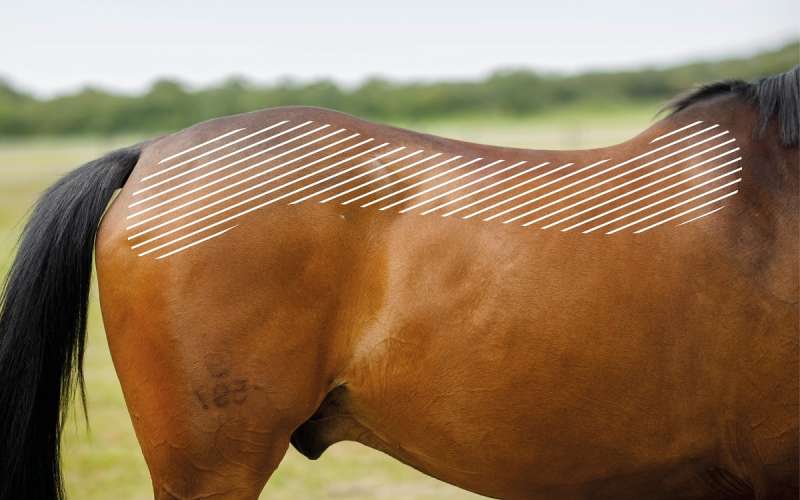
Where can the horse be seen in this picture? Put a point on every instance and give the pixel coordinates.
(618, 322)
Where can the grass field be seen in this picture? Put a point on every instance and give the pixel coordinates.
(105, 462)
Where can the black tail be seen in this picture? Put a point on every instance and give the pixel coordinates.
(43, 324)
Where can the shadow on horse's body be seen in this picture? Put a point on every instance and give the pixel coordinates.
(638, 338)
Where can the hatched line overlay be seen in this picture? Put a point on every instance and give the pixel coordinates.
(202, 192)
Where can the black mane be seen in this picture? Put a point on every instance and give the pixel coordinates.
(774, 95)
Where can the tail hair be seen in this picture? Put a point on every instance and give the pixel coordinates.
(43, 315)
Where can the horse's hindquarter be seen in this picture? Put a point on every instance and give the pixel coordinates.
(501, 358)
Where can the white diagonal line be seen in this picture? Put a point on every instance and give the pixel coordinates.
(237, 173)
(243, 212)
(480, 190)
(321, 170)
(336, 153)
(215, 160)
(515, 186)
(603, 214)
(619, 186)
(401, 169)
(535, 188)
(205, 207)
(510, 188)
(236, 141)
(659, 191)
(419, 183)
(445, 162)
(206, 228)
(229, 165)
(651, 226)
(676, 131)
(701, 216)
(218, 223)
(218, 212)
(605, 181)
(623, 216)
(337, 174)
(411, 176)
(458, 188)
(662, 200)
(193, 148)
(628, 193)
(190, 245)
(215, 224)
(454, 179)
(362, 174)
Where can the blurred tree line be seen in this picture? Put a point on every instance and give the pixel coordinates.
(169, 105)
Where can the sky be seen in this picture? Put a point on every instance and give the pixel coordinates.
(52, 47)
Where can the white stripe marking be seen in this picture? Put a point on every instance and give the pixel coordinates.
(236, 215)
(415, 174)
(649, 174)
(676, 131)
(198, 231)
(423, 181)
(234, 174)
(227, 219)
(215, 139)
(515, 186)
(701, 216)
(606, 181)
(623, 174)
(190, 245)
(337, 174)
(628, 193)
(458, 188)
(362, 174)
(686, 212)
(480, 190)
(321, 170)
(536, 188)
(439, 185)
(401, 169)
(229, 165)
(214, 203)
(381, 188)
(227, 155)
(510, 188)
(214, 214)
(738, 179)
(184, 162)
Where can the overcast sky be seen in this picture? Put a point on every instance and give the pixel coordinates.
(57, 46)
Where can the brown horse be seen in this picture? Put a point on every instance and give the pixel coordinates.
(613, 323)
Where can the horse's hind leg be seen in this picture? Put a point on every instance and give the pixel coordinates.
(211, 423)
(214, 400)
(222, 351)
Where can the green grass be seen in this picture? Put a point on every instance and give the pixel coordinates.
(566, 128)
(106, 462)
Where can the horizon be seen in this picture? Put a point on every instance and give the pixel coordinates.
(124, 49)
(633, 67)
